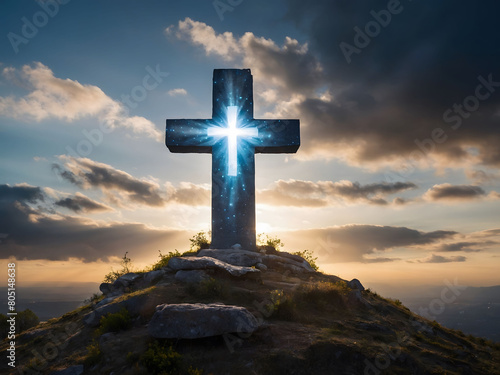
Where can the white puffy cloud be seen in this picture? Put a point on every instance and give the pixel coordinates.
(68, 100)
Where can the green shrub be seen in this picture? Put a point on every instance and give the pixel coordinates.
(274, 242)
(308, 255)
(283, 306)
(126, 264)
(200, 241)
(119, 321)
(94, 354)
(164, 259)
(24, 320)
(162, 360)
(211, 288)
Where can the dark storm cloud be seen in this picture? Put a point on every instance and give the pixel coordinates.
(81, 203)
(22, 193)
(363, 243)
(389, 101)
(454, 192)
(324, 193)
(31, 234)
(88, 173)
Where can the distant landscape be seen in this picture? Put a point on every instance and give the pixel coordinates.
(475, 311)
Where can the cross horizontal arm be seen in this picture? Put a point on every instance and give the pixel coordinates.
(189, 136)
(277, 136)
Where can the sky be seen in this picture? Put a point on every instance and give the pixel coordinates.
(397, 179)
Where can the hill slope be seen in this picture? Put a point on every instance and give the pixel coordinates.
(306, 323)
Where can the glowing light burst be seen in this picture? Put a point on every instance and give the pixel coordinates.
(232, 132)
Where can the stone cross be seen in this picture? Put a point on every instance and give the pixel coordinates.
(233, 137)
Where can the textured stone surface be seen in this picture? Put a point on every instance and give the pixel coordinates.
(106, 288)
(356, 284)
(233, 184)
(277, 261)
(126, 280)
(134, 305)
(241, 258)
(153, 276)
(193, 276)
(191, 321)
(201, 263)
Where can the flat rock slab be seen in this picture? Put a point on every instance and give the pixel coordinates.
(192, 321)
(202, 263)
(191, 276)
(235, 257)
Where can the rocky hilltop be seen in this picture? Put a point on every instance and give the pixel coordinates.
(240, 312)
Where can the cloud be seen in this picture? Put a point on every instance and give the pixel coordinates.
(177, 92)
(122, 189)
(81, 203)
(189, 194)
(454, 192)
(34, 235)
(441, 259)
(388, 106)
(50, 97)
(465, 246)
(362, 243)
(482, 177)
(324, 193)
(289, 66)
(87, 173)
(203, 35)
(21, 193)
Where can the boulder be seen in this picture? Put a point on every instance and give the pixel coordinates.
(356, 284)
(134, 305)
(153, 276)
(106, 288)
(105, 301)
(125, 280)
(240, 258)
(193, 276)
(261, 266)
(73, 370)
(201, 263)
(355, 298)
(192, 321)
(276, 261)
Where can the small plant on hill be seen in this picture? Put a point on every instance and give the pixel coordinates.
(200, 241)
(96, 297)
(163, 359)
(115, 322)
(126, 264)
(164, 258)
(94, 354)
(273, 242)
(308, 255)
(24, 320)
(283, 306)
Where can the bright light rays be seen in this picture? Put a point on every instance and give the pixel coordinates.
(232, 132)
